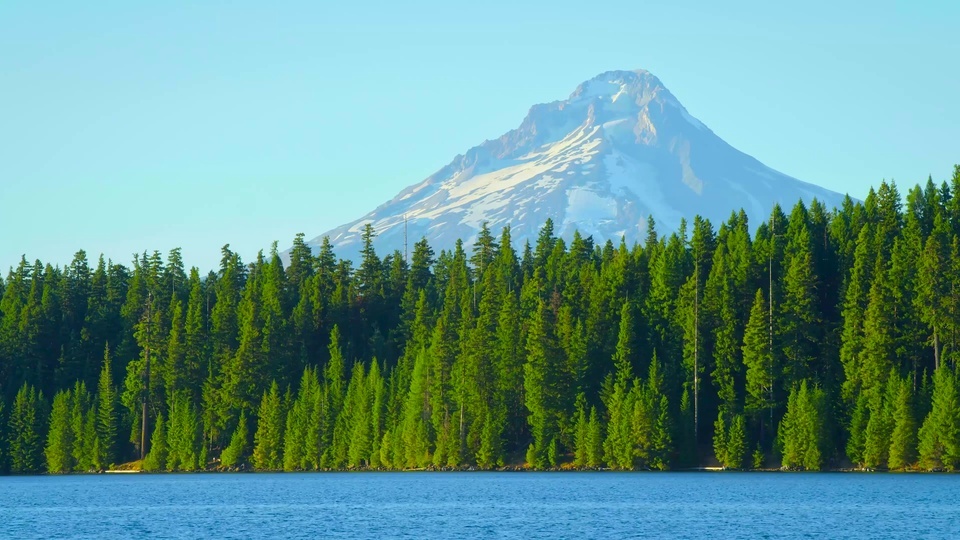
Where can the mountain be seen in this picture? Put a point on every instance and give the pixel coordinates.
(619, 149)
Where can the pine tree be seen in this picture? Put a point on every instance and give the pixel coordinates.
(156, 459)
(298, 451)
(802, 430)
(720, 439)
(939, 436)
(799, 324)
(856, 442)
(415, 434)
(736, 450)
(903, 442)
(106, 415)
(183, 434)
(268, 440)
(60, 437)
(236, 453)
(27, 431)
(3, 434)
(335, 394)
(758, 361)
(81, 405)
(581, 433)
(880, 425)
(594, 457)
(539, 383)
(356, 419)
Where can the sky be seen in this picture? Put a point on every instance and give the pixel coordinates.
(132, 126)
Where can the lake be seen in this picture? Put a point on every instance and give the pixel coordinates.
(482, 505)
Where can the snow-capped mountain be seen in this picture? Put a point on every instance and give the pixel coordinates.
(619, 149)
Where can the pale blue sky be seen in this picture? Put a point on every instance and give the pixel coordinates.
(127, 126)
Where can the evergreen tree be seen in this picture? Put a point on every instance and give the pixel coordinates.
(939, 446)
(60, 437)
(859, 419)
(236, 453)
(802, 430)
(335, 394)
(736, 450)
(107, 421)
(83, 426)
(594, 454)
(156, 459)
(268, 440)
(903, 441)
(27, 431)
(759, 363)
(880, 425)
(539, 374)
(720, 439)
(183, 434)
(415, 435)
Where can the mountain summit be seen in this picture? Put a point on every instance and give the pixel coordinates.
(619, 149)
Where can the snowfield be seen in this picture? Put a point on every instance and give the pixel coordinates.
(619, 149)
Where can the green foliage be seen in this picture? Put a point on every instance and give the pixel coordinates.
(156, 459)
(60, 437)
(940, 434)
(880, 425)
(802, 432)
(183, 435)
(903, 441)
(736, 452)
(268, 439)
(106, 421)
(27, 431)
(720, 439)
(237, 452)
(814, 332)
(856, 442)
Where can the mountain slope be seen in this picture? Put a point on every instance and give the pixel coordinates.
(619, 149)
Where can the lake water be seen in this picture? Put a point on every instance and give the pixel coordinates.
(482, 505)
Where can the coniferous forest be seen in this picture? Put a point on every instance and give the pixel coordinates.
(819, 338)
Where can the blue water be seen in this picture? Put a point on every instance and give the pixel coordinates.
(482, 505)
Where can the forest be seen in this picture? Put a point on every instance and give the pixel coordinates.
(818, 339)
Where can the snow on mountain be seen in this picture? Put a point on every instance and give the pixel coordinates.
(619, 149)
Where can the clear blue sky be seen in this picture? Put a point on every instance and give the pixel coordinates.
(127, 126)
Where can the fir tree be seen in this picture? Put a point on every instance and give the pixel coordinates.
(880, 425)
(594, 454)
(60, 437)
(268, 440)
(27, 431)
(903, 442)
(736, 450)
(156, 459)
(720, 439)
(236, 453)
(939, 445)
(540, 385)
(802, 430)
(106, 415)
(757, 358)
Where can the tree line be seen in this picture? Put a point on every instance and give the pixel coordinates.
(820, 338)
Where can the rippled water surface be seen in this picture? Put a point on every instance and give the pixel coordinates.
(482, 505)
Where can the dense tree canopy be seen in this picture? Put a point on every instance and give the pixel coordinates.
(818, 338)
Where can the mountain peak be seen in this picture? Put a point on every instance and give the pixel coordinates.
(639, 86)
(620, 149)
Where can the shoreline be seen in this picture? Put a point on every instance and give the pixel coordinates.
(707, 470)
